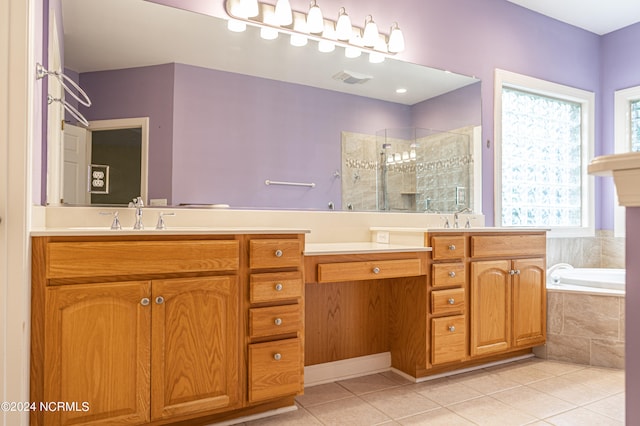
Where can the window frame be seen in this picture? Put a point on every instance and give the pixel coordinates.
(622, 144)
(559, 91)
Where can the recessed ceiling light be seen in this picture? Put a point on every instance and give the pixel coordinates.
(401, 90)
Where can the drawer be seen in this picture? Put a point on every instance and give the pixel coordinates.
(448, 247)
(448, 274)
(275, 369)
(368, 270)
(273, 287)
(277, 253)
(447, 302)
(508, 245)
(274, 320)
(109, 258)
(448, 338)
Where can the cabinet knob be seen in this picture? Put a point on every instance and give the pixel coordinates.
(278, 253)
(376, 270)
(279, 287)
(512, 272)
(452, 274)
(278, 321)
(451, 300)
(159, 300)
(452, 328)
(145, 301)
(452, 247)
(277, 357)
(517, 271)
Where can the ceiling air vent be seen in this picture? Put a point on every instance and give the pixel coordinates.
(351, 77)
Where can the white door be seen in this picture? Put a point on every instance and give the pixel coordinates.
(76, 156)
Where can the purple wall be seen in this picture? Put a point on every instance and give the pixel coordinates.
(250, 129)
(450, 111)
(138, 92)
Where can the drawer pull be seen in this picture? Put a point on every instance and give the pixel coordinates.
(451, 301)
(517, 271)
(376, 270)
(278, 253)
(278, 321)
(159, 300)
(145, 301)
(452, 274)
(452, 328)
(277, 357)
(452, 247)
(279, 287)
(514, 272)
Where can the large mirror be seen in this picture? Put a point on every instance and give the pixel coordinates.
(229, 113)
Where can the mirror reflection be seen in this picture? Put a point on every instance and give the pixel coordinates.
(229, 111)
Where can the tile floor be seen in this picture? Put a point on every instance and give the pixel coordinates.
(529, 392)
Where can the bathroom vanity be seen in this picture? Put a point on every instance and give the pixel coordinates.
(150, 327)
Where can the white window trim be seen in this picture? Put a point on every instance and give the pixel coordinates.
(622, 140)
(587, 100)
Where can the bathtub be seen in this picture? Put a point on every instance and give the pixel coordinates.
(601, 281)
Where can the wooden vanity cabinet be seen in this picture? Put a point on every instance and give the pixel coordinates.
(119, 324)
(508, 294)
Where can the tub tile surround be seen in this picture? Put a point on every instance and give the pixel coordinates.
(585, 329)
(602, 251)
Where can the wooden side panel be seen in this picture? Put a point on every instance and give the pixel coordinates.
(345, 320)
(529, 303)
(97, 345)
(275, 286)
(275, 253)
(508, 245)
(274, 369)
(369, 270)
(195, 346)
(490, 307)
(113, 258)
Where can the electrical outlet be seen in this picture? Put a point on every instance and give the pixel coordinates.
(382, 237)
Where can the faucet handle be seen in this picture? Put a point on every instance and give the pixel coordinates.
(137, 202)
(161, 224)
(446, 222)
(115, 225)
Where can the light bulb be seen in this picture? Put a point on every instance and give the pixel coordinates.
(397, 157)
(236, 26)
(412, 154)
(396, 39)
(284, 16)
(269, 18)
(299, 26)
(354, 50)
(405, 157)
(327, 46)
(381, 49)
(315, 20)
(344, 29)
(249, 8)
(370, 35)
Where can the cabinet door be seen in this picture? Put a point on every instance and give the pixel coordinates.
(195, 346)
(97, 352)
(529, 302)
(490, 307)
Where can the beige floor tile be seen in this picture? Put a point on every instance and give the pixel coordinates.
(524, 373)
(396, 378)
(439, 417)
(349, 412)
(570, 390)
(446, 392)
(533, 402)
(491, 412)
(300, 417)
(609, 380)
(322, 393)
(366, 384)
(400, 402)
(557, 368)
(488, 383)
(582, 417)
(612, 406)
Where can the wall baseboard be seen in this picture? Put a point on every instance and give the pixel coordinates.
(346, 369)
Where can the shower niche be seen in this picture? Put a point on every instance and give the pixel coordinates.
(409, 170)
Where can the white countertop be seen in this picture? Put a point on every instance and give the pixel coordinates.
(462, 229)
(104, 231)
(316, 249)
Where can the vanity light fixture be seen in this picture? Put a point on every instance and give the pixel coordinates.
(301, 27)
(284, 15)
(315, 20)
(344, 29)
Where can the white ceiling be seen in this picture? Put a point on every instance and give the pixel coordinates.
(598, 16)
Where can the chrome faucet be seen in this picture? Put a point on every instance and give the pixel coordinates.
(455, 217)
(138, 204)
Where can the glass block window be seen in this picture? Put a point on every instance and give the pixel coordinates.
(634, 109)
(541, 160)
